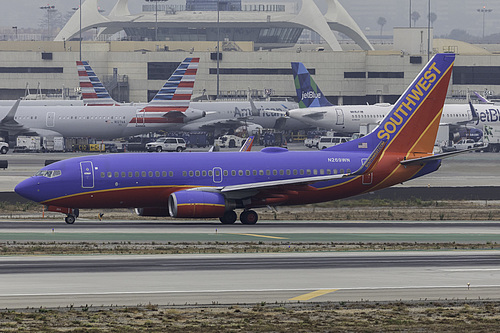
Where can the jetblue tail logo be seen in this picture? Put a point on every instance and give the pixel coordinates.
(93, 91)
(308, 92)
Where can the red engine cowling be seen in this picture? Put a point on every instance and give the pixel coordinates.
(152, 211)
(197, 204)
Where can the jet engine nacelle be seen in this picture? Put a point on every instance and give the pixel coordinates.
(198, 204)
(193, 114)
(152, 211)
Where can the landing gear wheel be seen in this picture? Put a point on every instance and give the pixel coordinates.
(229, 217)
(249, 217)
(70, 219)
(158, 149)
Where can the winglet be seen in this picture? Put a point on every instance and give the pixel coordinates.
(473, 112)
(9, 118)
(481, 98)
(93, 91)
(308, 92)
(247, 146)
(371, 161)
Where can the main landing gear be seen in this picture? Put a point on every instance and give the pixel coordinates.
(246, 217)
(71, 216)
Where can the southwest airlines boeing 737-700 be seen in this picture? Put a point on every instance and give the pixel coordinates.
(213, 185)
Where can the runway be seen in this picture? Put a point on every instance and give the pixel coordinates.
(264, 231)
(241, 278)
(205, 279)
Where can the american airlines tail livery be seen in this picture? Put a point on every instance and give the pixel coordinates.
(214, 185)
(92, 90)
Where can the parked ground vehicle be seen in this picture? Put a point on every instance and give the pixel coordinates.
(230, 141)
(166, 144)
(4, 147)
(467, 144)
(28, 144)
(329, 141)
(492, 138)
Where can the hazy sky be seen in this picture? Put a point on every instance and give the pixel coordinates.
(451, 14)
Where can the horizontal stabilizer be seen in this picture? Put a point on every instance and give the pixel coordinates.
(423, 160)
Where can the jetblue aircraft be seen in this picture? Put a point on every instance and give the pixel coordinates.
(169, 106)
(213, 185)
(315, 110)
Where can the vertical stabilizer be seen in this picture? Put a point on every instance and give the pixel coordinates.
(308, 92)
(410, 129)
(93, 91)
(175, 94)
(171, 103)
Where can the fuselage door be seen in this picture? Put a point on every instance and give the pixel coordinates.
(51, 119)
(340, 116)
(87, 170)
(217, 175)
(140, 118)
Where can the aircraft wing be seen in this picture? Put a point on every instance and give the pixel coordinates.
(200, 125)
(315, 114)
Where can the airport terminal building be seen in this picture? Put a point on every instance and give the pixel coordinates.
(354, 72)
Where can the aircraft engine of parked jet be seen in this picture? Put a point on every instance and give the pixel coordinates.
(193, 114)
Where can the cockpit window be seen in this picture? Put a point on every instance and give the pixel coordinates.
(49, 173)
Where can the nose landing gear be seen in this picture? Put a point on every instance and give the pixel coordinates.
(71, 213)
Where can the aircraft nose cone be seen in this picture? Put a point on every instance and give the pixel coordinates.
(27, 189)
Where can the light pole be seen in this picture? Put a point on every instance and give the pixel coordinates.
(49, 9)
(429, 32)
(218, 45)
(156, 16)
(484, 11)
(409, 15)
(80, 39)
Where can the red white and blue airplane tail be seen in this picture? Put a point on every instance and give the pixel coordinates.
(171, 103)
(308, 92)
(93, 91)
(410, 129)
(176, 93)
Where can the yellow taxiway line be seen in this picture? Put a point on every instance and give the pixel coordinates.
(312, 295)
(264, 236)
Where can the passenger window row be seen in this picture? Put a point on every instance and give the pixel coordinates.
(209, 173)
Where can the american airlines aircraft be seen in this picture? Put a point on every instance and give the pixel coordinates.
(219, 114)
(213, 185)
(317, 111)
(169, 106)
